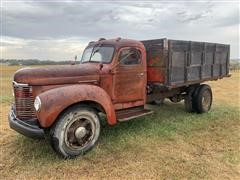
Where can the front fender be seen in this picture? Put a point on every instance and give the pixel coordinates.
(54, 101)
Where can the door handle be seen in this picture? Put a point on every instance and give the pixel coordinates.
(141, 74)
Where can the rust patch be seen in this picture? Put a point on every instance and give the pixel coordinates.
(56, 100)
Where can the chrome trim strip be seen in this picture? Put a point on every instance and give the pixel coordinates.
(87, 81)
(15, 84)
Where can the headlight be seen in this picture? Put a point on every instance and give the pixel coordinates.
(37, 103)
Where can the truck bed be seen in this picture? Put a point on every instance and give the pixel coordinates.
(175, 63)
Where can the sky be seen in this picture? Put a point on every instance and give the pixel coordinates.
(59, 30)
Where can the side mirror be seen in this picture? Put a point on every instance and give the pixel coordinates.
(100, 66)
(75, 59)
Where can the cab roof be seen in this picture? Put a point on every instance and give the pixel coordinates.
(118, 42)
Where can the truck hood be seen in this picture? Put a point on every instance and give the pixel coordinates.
(67, 74)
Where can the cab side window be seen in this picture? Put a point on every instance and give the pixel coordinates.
(130, 56)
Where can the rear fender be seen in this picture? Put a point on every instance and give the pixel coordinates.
(55, 101)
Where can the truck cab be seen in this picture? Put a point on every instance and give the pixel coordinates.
(115, 77)
(122, 69)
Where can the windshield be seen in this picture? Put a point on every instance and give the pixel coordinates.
(97, 53)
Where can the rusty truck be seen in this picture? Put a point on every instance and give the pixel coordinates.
(116, 77)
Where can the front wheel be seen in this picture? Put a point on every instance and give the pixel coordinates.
(203, 99)
(76, 131)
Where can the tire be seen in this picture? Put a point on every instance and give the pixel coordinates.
(76, 131)
(188, 99)
(188, 104)
(202, 100)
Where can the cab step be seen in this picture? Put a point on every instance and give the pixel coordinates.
(125, 115)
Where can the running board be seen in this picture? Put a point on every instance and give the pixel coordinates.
(125, 115)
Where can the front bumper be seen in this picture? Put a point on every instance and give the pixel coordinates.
(29, 128)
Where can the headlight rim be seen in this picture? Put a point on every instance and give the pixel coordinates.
(37, 104)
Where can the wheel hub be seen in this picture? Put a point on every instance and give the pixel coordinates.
(80, 132)
(206, 100)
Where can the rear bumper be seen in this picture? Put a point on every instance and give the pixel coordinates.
(28, 128)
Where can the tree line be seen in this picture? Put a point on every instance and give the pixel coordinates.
(234, 63)
(28, 62)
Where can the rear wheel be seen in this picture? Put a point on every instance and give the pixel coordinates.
(76, 131)
(202, 101)
(188, 99)
(188, 104)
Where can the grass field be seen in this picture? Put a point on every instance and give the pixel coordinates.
(170, 144)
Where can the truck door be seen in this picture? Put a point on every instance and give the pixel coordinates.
(129, 79)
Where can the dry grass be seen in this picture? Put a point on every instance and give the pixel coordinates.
(171, 144)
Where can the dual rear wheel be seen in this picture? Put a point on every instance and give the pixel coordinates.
(199, 99)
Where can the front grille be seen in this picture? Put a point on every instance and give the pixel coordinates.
(24, 101)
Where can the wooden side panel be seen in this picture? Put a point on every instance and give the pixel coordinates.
(198, 61)
(176, 63)
(156, 60)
